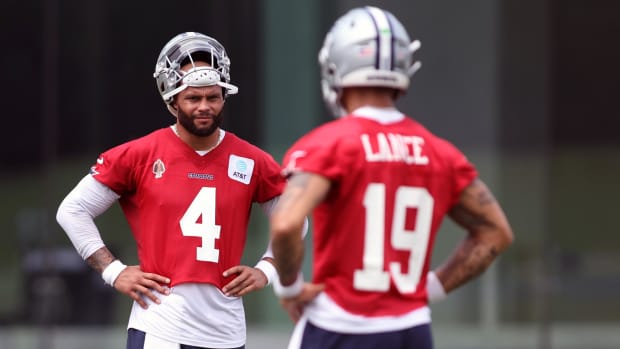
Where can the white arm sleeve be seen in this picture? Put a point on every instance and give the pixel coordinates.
(77, 212)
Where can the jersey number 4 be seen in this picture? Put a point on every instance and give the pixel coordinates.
(373, 276)
(199, 220)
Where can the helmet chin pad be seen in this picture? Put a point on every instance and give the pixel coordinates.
(207, 76)
(201, 77)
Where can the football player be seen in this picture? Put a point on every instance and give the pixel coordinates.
(186, 191)
(378, 184)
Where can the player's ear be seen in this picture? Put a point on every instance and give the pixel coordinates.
(173, 109)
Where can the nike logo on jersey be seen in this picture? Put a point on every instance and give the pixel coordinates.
(394, 147)
(240, 169)
(292, 162)
(93, 169)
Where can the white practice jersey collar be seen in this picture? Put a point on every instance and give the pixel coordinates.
(380, 115)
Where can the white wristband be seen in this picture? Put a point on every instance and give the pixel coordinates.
(290, 291)
(434, 288)
(111, 272)
(268, 269)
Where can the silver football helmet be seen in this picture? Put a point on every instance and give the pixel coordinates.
(186, 48)
(367, 46)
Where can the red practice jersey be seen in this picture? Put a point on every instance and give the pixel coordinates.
(373, 235)
(189, 213)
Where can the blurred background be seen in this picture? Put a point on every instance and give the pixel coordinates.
(528, 89)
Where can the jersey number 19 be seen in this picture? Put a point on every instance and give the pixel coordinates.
(373, 276)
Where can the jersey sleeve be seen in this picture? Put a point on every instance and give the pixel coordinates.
(271, 183)
(322, 153)
(464, 172)
(115, 169)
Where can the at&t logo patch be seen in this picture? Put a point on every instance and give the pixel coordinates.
(240, 169)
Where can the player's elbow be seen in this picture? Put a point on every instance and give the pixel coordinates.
(282, 227)
(498, 231)
(496, 237)
(60, 214)
(505, 236)
(64, 213)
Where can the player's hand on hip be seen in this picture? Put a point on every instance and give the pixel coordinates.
(139, 285)
(294, 307)
(248, 279)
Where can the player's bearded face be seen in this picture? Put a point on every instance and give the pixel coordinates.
(188, 122)
(199, 109)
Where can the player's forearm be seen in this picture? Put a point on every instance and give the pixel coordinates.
(100, 259)
(473, 256)
(288, 252)
(469, 260)
(489, 235)
(289, 219)
(286, 244)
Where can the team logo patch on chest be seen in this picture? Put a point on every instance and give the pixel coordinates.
(240, 169)
(159, 168)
